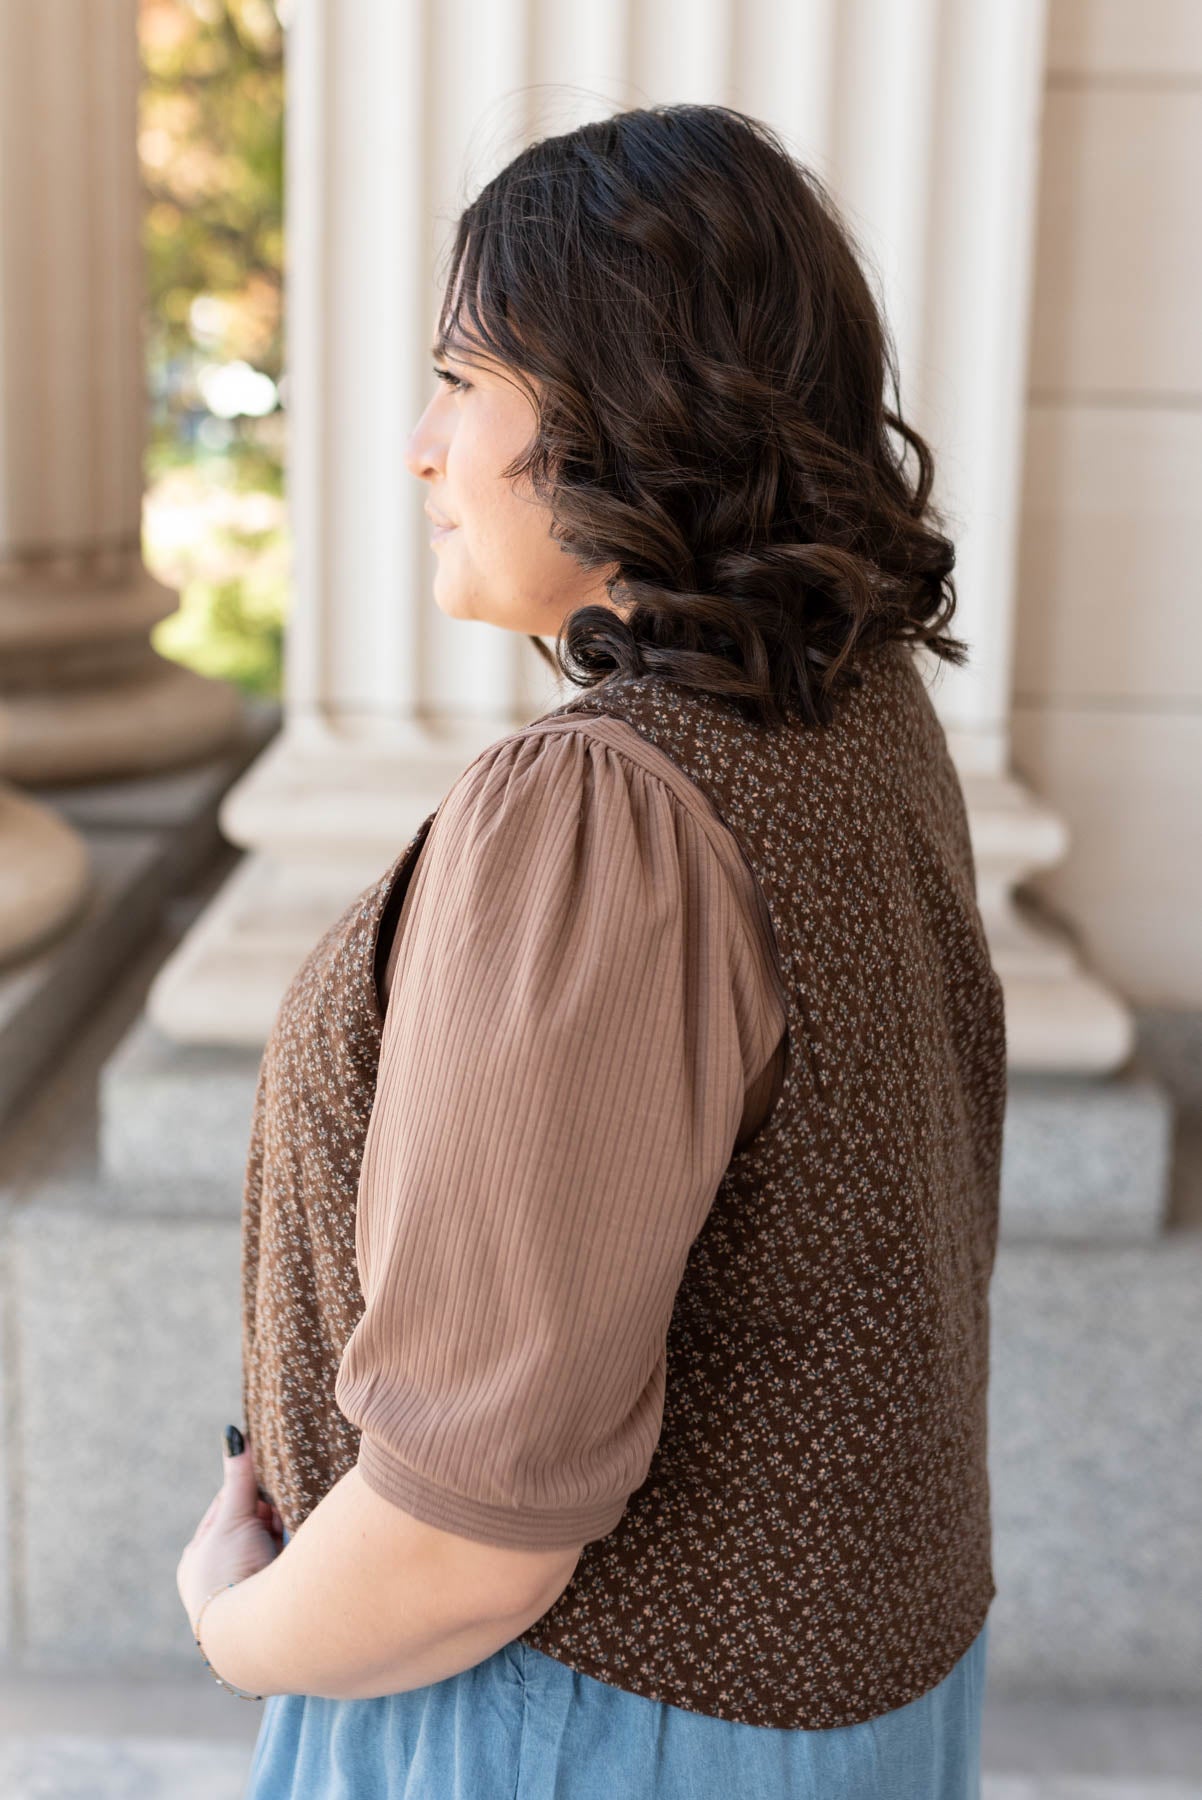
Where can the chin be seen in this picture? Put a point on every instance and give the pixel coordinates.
(452, 606)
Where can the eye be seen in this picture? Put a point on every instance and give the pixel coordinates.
(453, 382)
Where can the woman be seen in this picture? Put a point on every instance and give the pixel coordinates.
(622, 1192)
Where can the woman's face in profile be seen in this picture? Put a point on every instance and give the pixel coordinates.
(496, 560)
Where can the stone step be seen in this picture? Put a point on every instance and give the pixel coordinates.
(116, 1737)
(1084, 1159)
(1095, 1451)
(176, 1117)
(1095, 1443)
(156, 1768)
(1087, 1158)
(147, 838)
(79, 1767)
(123, 1329)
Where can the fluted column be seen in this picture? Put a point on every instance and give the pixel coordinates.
(969, 376)
(84, 694)
(386, 700)
(921, 116)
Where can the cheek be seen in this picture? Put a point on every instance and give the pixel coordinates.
(473, 490)
(489, 435)
(492, 518)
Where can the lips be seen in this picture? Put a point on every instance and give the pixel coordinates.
(437, 520)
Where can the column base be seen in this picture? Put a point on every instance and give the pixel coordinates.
(327, 815)
(44, 875)
(162, 716)
(1060, 1018)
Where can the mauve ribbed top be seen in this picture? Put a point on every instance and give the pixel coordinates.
(578, 905)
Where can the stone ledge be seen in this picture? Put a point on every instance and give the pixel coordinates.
(1169, 1040)
(1095, 1451)
(175, 1122)
(147, 838)
(46, 994)
(1095, 1440)
(1085, 1158)
(1095, 1446)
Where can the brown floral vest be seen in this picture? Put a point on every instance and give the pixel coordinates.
(811, 1546)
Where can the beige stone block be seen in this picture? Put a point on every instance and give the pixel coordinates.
(1115, 37)
(1118, 264)
(1107, 590)
(127, 1336)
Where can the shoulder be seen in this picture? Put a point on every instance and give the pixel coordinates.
(546, 788)
(573, 861)
(535, 790)
(609, 747)
(581, 829)
(600, 758)
(590, 793)
(598, 766)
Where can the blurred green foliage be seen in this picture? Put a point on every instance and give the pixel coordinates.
(210, 139)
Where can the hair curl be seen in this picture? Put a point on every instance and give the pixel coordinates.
(683, 304)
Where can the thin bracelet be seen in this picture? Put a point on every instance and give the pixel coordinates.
(212, 1671)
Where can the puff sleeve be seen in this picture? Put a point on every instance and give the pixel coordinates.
(565, 1053)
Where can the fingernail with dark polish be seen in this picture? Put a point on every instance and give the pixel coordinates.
(234, 1442)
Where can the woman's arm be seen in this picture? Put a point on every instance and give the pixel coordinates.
(366, 1600)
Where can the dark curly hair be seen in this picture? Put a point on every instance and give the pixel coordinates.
(710, 367)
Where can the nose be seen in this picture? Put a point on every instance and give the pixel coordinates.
(425, 448)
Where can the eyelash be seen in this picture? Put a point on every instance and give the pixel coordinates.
(454, 382)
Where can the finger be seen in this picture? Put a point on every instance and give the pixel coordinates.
(238, 1480)
(211, 1514)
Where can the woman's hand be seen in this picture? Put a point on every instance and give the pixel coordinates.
(238, 1535)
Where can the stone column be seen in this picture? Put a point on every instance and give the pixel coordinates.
(83, 693)
(923, 120)
(386, 699)
(970, 381)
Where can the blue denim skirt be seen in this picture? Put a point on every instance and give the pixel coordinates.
(521, 1726)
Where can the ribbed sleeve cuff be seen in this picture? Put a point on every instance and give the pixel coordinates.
(519, 1528)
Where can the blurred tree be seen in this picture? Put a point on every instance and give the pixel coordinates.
(210, 142)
